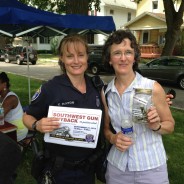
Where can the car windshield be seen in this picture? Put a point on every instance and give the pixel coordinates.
(29, 49)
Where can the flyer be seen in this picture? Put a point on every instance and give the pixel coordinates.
(79, 127)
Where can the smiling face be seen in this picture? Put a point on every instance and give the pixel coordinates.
(122, 57)
(74, 58)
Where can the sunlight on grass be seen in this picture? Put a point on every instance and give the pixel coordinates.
(47, 59)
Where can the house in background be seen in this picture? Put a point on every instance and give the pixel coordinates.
(149, 27)
(122, 11)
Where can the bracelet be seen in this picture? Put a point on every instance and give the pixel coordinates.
(160, 126)
(34, 125)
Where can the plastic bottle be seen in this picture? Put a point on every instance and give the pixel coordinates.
(1, 115)
(127, 127)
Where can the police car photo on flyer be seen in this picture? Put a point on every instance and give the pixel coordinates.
(79, 127)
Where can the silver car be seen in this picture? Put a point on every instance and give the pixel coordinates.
(166, 68)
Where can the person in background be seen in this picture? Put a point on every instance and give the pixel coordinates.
(13, 111)
(72, 89)
(169, 98)
(143, 158)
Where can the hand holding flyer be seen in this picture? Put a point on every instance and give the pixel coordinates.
(79, 127)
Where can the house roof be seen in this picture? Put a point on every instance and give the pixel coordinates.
(158, 16)
(120, 3)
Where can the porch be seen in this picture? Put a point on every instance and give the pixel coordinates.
(150, 51)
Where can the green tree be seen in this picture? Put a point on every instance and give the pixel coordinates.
(174, 20)
(64, 6)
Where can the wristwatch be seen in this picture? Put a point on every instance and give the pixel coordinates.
(34, 125)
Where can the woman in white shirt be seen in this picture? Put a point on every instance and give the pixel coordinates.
(13, 111)
(142, 160)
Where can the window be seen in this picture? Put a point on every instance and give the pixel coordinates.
(163, 62)
(111, 12)
(34, 40)
(161, 39)
(155, 63)
(145, 37)
(129, 16)
(173, 62)
(44, 40)
(155, 5)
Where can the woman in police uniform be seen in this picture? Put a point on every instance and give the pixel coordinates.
(71, 89)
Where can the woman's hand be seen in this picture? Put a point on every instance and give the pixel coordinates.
(47, 124)
(168, 99)
(121, 141)
(153, 118)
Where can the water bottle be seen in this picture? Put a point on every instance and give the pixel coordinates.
(1, 115)
(127, 127)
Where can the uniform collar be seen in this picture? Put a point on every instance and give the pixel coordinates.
(64, 80)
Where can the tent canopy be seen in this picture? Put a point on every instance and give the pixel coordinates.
(18, 19)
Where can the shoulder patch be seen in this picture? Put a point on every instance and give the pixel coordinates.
(36, 95)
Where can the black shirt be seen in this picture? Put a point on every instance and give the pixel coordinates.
(60, 92)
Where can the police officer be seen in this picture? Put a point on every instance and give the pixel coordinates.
(71, 89)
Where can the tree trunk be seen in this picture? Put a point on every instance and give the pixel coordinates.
(174, 21)
(77, 7)
(171, 39)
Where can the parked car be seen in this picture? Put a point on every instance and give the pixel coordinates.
(19, 55)
(166, 68)
(8, 47)
(95, 64)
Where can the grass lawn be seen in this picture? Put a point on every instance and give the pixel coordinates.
(174, 143)
(47, 59)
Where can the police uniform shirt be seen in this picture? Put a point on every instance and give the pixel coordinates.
(60, 92)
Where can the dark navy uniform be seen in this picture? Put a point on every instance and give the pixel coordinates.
(60, 92)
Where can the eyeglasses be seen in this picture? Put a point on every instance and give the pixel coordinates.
(118, 54)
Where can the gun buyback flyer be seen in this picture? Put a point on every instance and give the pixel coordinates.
(79, 127)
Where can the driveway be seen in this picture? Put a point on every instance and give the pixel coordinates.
(46, 72)
(42, 72)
